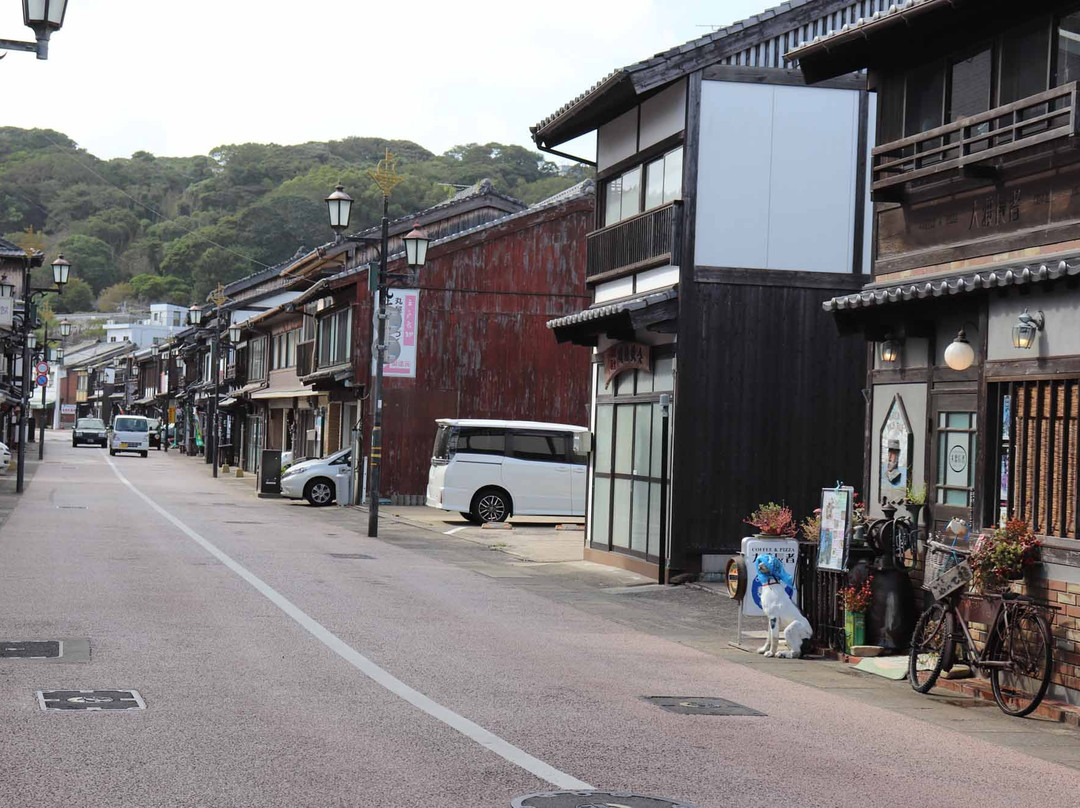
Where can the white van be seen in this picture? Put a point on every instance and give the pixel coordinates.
(490, 470)
(130, 433)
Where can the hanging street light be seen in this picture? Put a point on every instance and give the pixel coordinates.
(43, 17)
(65, 329)
(194, 315)
(339, 206)
(60, 270)
(234, 334)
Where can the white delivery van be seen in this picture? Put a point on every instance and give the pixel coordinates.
(130, 433)
(490, 470)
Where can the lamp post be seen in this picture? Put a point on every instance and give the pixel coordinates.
(195, 316)
(339, 207)
(61, 269)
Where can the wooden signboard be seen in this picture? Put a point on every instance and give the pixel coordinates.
(626, 356)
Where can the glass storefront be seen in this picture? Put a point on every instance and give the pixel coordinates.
(625, 512)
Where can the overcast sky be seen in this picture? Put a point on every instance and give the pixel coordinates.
(179, 77)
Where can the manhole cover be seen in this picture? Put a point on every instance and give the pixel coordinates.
(594, 799)
(31, 650)
(87, 700)
(700, 705)
(351, 555)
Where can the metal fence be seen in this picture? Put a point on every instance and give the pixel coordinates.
(819, 598)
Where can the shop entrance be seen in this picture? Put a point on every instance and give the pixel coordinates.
(954, 458)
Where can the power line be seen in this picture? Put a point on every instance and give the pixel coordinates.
(157, 213)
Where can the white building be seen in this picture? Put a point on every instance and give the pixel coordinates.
(164, 321)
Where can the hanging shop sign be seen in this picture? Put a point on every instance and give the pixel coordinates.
(626, 356)
(401, 334)
(897, 444)
(837, 507)
(7, 312)
(753, 547)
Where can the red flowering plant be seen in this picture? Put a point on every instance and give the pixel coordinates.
(857, 598)
(1004, 555)
(773, 520)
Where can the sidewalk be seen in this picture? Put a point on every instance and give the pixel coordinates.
(700, 616)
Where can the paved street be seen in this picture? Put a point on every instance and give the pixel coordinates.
(285, 659)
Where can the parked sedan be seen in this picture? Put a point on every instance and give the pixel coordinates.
(317, 480)
(90, 430)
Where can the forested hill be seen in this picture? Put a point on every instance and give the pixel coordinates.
(152, 228)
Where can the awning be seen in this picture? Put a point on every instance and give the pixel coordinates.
(144, 401)
(116, 395)
(227, 402)
(267, 394)
(334, 373)
(880, 295)
(620, 319)
(249, 388)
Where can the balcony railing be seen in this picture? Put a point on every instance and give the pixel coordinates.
(965, 143)
(647, 240)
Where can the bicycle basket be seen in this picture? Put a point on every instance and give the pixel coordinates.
(947, 569)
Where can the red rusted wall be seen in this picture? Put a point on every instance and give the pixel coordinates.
(484, 348)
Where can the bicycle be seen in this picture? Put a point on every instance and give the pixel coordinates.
(1018, 653)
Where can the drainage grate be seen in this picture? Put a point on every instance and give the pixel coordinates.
(360, 556)
(89, 700)
(594, 799)
(700, 705)
(31, 650)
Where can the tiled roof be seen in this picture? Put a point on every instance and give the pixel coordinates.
(664, 56)
(9, 249)
(863, 27)
(955, 285)
(582, 189)
(606, 310)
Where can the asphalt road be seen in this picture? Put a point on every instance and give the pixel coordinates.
(278, 671)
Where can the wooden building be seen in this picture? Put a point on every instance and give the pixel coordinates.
(731, 199)
(472, 334)
(973, 310)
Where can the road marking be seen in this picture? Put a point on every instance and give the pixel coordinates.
(469, 729)
(452, 531)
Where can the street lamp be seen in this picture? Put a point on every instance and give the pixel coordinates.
(339, 206)
(234, 334)
(65, 329)
(31, 340)
(43, 17)
(194, 315)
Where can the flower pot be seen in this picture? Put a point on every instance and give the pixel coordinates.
(854, 629)
(914, 511)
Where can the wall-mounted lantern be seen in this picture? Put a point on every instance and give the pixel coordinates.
(959, 355)
(1025, 332)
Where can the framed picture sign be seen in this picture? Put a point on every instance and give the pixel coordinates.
(836, 512)
(897, 442)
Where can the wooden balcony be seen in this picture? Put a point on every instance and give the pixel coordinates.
(969, 145)
(647, 240)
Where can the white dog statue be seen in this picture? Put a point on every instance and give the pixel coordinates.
(781, 612)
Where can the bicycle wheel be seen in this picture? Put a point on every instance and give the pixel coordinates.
(928, 647)
(1027, 647)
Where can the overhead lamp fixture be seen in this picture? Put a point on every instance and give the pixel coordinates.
(339, 206)
(65, 329)
(959, 355)
(60, 270)
(416, 244)
(234, 334)
(889, 350)
(31, 340)
(195, 314)
(1026, 331)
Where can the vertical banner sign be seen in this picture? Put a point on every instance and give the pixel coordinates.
(7, 311)
(401, 334)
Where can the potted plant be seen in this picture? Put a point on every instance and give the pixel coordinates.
(811, 527)
(856, 600)
(1004, 555)
(914, 500)
(772, 520)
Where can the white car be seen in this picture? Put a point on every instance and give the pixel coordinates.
(318, 481)
(491, 470)
(5, 458)
(130, 433)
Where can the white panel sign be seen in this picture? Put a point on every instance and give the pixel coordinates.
(787, 550)
(7, 311)
(402, 334)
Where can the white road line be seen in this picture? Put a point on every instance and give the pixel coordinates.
(452, 531)
(469, 729)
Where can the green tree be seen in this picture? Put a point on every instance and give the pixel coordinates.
(93, 259)
(77, 296)
(113, 298)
